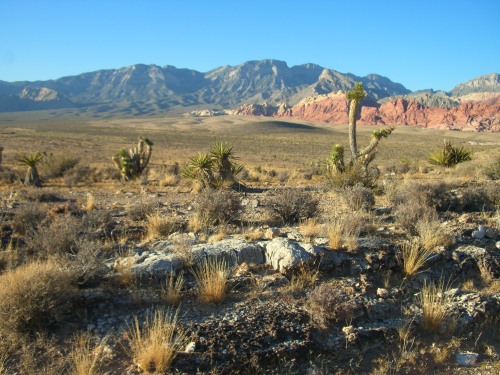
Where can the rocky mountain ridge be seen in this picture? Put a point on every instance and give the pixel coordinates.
(162, 88)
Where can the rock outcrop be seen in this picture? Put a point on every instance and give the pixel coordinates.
(333, 108)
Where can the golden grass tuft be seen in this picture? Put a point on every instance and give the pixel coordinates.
(172, 291)
(4, 369)
(90, 204)
(253, 234)
(33, 296)
(413, 257)
(344, 231)
(155, 343)
(310, 228)
(212, 277)
(304, 277)
(431, 234)
(85, 356)
(433, 299)
(158, 226)
(169, 180)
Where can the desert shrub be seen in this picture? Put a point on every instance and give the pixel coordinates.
(173, 289)
(55, 165)
(8, 176)
(450, 155)
(28, 218)
(293, 205)
(492, 171)
(38, 195)
(33, 297)
(407, 214)
(432, 194)
(107, 173)
(140, 210)
(214, 207)
(430, 234)
(155, 343)
(79, 174)
(60, 237)
(86, 262)
(331, 303)
(475, 198)
(352, 175)
(310, 228)
(96, 219)
(358, 197)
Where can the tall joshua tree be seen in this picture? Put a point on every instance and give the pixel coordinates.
(31, 161)
(132, 163)
(366, 155)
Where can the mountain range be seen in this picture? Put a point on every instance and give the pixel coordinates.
(154, 90)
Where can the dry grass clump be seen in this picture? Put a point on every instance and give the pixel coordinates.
(34, 296)
(169, 180)
(413, 257)
(330, 303)
(173, 289)
(28, 218)
(433, 300)
(304, 277)
(155, 343)
(344, 231)
(4, 368)
(158, 225)
(90, 204)
(140, 211)
(212, 276)
(430, 194)
(215, 207)
(411, 212)
(431, 234)
(55, 165)
(86, 358)
(310, 228)
(253, 234)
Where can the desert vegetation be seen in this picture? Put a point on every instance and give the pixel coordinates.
(276, 258)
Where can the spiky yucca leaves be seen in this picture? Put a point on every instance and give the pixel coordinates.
(31, 161)
(132, 163)
(450, 155)
(336, 158)
(200, 168)
(215, 169)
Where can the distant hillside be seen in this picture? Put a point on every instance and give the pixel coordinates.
(486, 83)
(151, 88)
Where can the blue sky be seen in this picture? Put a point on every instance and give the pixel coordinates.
(421, 44)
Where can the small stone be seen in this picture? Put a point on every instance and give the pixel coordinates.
(272, 233)
(466, 359)
(480, 233)
(492, 233)
(497, 245)
(382, 292)
(190, 348)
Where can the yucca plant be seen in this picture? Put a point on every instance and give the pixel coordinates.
(215, 169)
(200, 168)
(450, 155)
(132, 163)
(31, 161)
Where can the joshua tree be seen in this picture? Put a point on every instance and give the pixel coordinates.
(366, 155)
(132, 163)
(31, 161)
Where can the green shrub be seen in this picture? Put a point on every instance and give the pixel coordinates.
(450, 155)
(492, 171)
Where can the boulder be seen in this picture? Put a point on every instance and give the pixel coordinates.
(234, 251)
(283, 254)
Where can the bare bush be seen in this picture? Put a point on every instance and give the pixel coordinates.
(214, 207)
(293, 205)
(28, 218)
(140, 210)
(330, 303)
(358, 197)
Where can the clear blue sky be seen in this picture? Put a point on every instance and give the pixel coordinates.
(421, 44)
